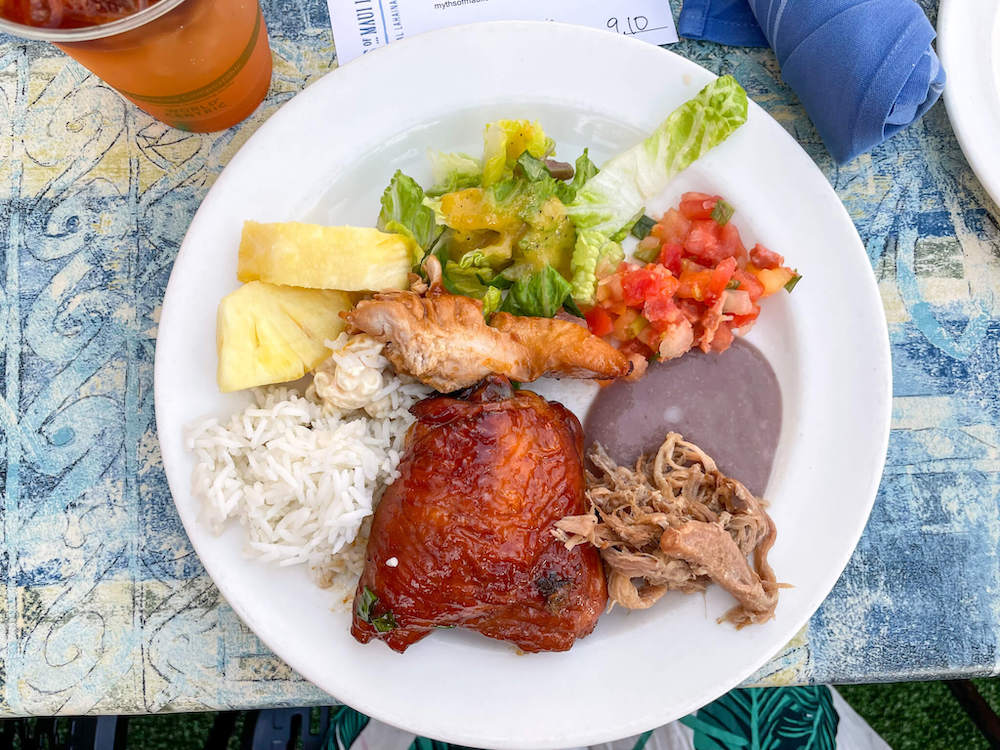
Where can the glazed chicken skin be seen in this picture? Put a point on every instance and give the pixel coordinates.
(462, 538)
(442, 340)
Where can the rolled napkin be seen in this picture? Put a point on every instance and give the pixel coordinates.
(864, 69)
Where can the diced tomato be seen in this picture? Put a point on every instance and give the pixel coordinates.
(644, 283)
(749, 283)
(673, 227)
(661, 308)
(599, 321)
(698, 205)
(764, 258)
(704, 243)
(704, 282)
(695, 285)
(721, 276)
(744, 321)
(690, 266)
(690, 309)
(732, 245)
(670, 257)
(661, 325)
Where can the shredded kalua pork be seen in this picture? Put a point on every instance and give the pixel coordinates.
(676, 522)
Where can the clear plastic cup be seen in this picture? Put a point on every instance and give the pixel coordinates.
(198, 65)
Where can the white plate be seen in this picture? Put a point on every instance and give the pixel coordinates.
(969, 46)
(327, 156)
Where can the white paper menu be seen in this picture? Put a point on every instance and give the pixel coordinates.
(360, 26)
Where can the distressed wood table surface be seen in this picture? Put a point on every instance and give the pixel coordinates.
(105, 605)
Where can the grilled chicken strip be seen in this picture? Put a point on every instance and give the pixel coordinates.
(559, 347)
(442, 340)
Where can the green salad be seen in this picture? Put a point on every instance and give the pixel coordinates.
(530, 235)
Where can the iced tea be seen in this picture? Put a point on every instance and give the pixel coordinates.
(69, 14)
(198, 65)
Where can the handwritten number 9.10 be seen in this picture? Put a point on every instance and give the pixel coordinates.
(631, 25)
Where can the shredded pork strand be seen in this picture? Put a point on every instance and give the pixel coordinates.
(676, 523)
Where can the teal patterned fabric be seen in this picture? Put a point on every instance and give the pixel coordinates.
(794, 718)
(767, 719)
(346, 725)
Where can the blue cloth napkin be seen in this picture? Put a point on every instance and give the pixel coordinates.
(864, 69)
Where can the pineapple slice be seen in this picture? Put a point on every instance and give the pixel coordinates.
(272, 334)
(318, 257)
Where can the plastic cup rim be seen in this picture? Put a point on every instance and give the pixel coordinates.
(87, 33)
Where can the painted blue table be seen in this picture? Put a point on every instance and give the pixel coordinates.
(105, 605)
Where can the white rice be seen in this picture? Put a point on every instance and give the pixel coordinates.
(302, 472)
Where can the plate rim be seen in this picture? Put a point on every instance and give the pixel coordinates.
(969, 122)
(831, 202)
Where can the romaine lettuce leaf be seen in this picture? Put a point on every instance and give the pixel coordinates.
(541, 294)
(610, 202)
(534, 169)
(593, 254)
(584, 170)
(491, 301)
(618, 192)
(403, 212)
(504, 141)
(434, 204)
(453, 171)
(492, 257)
(472, 274)
(469, 282)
